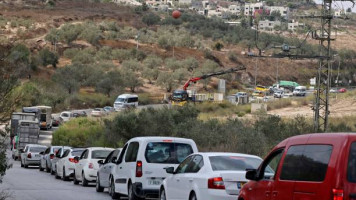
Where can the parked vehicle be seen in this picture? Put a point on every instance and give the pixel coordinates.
(312, 166)
(57, 156)
(66, 116)
(31, 155)
(16, 117)
(208, 176)
(66, 164)
(102, 179)
(79, 113)
(33, 110)
(125, 101)
(140, 167)
(27, 133)
(334, 90)
(47, 156)
(241, 94)
(342, 90)
(87, 166)
(278, 94)
(56, 120)
(98, 112)
(109, 109)
(257, 93)
(45, 117)
(300, 91)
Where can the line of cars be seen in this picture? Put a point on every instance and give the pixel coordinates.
(311, 166)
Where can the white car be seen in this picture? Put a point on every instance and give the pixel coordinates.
(31, 155)
(66, 164)
(66, 116)
(102, 179)
(57, 156)
(87, 166)
(208, 176)
(140, 167)
(46, 158)
(98, 112)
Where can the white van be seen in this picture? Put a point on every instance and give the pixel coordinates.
(126, 101)
(140, 168)
(300, 91)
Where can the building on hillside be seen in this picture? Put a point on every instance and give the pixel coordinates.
(196, 5)
(293, 26)
(339, 13)
(284, 11)
(250, 8)
(236, 9)
(261, 12)
(186, 2)
(267, 25)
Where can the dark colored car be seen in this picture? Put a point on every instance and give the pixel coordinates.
(80, 113)
(312, 166)
(56, 120)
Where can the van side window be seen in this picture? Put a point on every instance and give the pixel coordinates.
(132, 99)
(122, 153)
(306, 163)
(351, 167)
(131, 155)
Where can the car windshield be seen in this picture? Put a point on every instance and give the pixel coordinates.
(97, 109)
(233, 163)
(100, 154)
(65, 115)
(177, 95)
(37, 149)
(77, 152)
(120, 100)
(167, 152)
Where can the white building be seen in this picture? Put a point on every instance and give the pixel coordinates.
(251, 7)
(268, 25)
(236, 9)
(283, 10)
(295, 25)
(339, 13)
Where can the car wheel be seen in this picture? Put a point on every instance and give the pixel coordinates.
(131, 194)
(98, 187)
(56, 174)
(162, 195)
(41, 169)
(21, 164)
(193, 196)
(25, 165)
(52, 172)
(112, 192)
(84, 181)
(75, 181)
(64, 177)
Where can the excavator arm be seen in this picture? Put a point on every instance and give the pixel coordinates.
(205, 76)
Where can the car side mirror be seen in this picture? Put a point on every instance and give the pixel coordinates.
(251, 174)
(41, 153)
(113, 160)
(22, 151)
(100, 162)
(169, 170)
(58, 156)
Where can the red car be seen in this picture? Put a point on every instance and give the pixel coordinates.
(342, 90)
(307, 167)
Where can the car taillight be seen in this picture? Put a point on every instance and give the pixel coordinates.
(216, 183)
(138, 169)
(72, 160)
(91, 166)
(338, 194)
(51, 156)
(29, 155)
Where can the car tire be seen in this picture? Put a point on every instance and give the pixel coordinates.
(64, 177)
(193, 196)
(56, 175)
(21, 164)
(131, 194)
(52, 172)
(40, 168)
(112, 192)
(75, 181)
(84, 181)
(97, 186)
(162, 195)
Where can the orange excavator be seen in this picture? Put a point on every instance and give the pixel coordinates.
(180, 97)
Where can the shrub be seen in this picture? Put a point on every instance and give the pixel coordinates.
(151, 19)
(47, 57)
(70, 53)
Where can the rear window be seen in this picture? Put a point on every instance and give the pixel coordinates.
(306, 163)
(166, 152)
(37, 149)
(100, 154)
(77, 152)
(351, 167)
(233, 163)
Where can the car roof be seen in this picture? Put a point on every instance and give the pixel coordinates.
(35, 145)
(127, 95)
(66, 112)
(155, 138)
(227, 154)
(100, 148)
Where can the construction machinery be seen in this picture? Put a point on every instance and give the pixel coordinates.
(180, 97)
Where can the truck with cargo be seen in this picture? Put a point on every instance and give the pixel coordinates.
(27, 133)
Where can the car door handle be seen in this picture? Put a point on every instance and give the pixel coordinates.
(120, 168)
(177, 179)
(274, 193)
(267, 194)
(190, 180)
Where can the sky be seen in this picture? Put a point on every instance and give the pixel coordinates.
(340, 4)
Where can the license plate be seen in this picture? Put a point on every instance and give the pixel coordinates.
(37, 156)
(154, 182)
